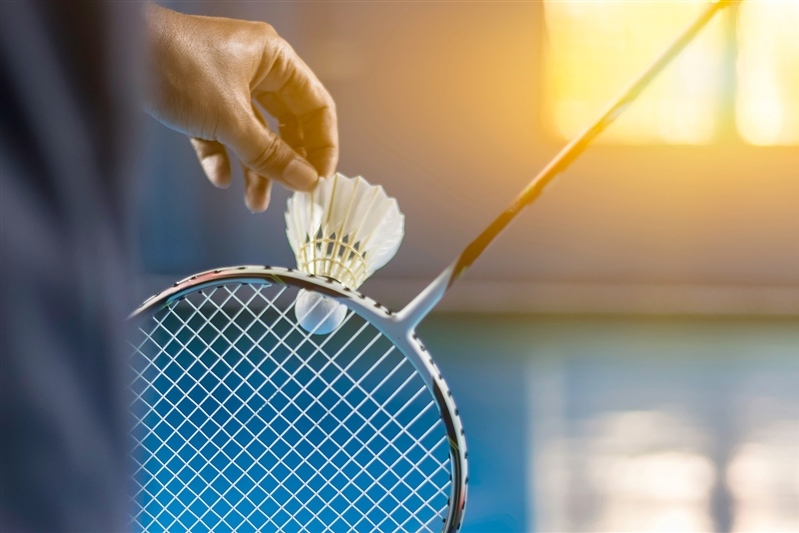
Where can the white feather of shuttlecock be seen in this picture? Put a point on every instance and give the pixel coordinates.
(344, 229)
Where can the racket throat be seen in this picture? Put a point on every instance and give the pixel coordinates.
(413, 313)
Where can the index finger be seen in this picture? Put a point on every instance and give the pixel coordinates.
(294, 84)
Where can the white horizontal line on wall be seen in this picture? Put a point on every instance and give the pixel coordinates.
(573, 298)
(593, 298)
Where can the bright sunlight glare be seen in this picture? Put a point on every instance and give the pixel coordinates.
(597, 47)
(767, 103)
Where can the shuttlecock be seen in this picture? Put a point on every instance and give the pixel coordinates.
(345, 229)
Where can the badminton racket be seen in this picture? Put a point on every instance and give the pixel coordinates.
(243, 421)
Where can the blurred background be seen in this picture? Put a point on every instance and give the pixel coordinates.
(626, 355)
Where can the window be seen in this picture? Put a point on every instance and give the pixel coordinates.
(767, 106)
(740, 77)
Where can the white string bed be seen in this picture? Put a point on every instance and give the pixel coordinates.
(244, 422)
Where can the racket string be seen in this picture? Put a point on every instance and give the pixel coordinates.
(183, 373)
(279, 414)
(342, 398)
(279, 436)
(177, 430)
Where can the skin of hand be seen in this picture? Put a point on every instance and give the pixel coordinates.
(209, 77)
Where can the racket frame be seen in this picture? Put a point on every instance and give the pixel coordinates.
(395, 327)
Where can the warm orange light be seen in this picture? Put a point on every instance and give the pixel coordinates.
(597, 47)
(767, 103)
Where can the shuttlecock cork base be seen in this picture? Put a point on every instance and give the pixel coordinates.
(318, 314)
(344, 229)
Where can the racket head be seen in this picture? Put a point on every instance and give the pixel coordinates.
(242, 420)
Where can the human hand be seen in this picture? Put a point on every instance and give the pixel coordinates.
(207, 78)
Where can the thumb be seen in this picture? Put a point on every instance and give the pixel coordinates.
(263, 152)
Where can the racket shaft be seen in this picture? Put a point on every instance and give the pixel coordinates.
(423, 303)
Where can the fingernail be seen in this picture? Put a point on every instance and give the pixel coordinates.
(250, 207)
(217, 169)
(256, 203)
(300, 175)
